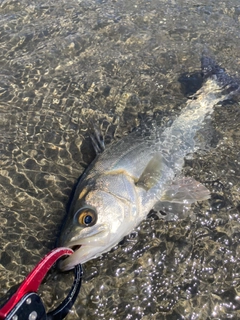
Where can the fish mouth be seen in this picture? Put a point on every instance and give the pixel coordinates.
(76, 247)
(85, 248)
(80, 255)
(66, 264)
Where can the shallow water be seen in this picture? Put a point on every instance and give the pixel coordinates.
(65, 63)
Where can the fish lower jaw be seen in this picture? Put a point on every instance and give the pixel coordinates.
(81, 254)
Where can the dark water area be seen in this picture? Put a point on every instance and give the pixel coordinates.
(66, 63)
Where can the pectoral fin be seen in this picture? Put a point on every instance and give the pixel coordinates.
(185, 190)
(179, 196)
(151, 173)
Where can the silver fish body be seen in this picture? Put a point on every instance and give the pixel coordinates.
(139, 173)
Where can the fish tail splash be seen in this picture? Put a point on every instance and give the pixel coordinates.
(229, 86)
(217, 87)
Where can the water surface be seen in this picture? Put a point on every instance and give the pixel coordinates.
(65, 63)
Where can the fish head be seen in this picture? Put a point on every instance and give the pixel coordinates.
(96, 222)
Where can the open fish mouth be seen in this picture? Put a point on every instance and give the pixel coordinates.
(85, 249)
(76, 247)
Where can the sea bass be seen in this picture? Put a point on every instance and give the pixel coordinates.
(140, 173)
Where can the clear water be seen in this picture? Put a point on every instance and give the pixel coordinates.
(65, 63)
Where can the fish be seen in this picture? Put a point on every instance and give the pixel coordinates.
(139, 173)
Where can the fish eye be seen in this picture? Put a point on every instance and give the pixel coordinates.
(86, 217)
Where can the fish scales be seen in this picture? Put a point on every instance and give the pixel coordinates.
(139, 173)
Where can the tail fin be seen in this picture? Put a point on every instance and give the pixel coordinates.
(211, 70)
